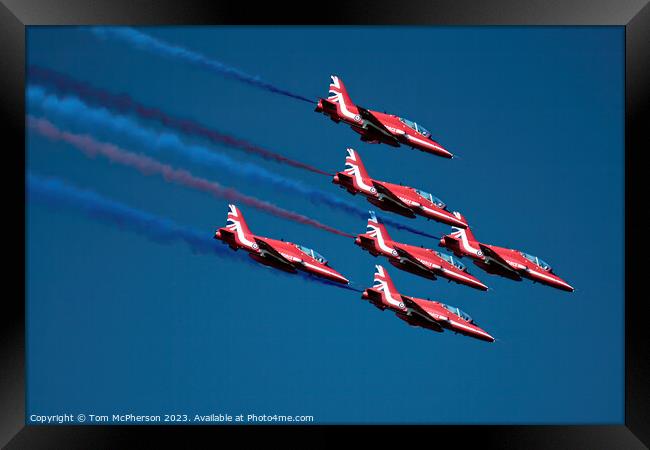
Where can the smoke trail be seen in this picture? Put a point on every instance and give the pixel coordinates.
(151, 44)
(149, 166)
(74, 109)
(161, 230)
(124, 104)
(55, 192)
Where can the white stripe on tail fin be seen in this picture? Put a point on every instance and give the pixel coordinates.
(377, 230)
(338, 88)
(384, 284)
(237, 224)
(339, 95)
(467, 240)
(355, 168)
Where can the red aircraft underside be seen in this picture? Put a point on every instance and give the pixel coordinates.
(403, 200)
(502, 261)
(376, 127)
(417, 260)
(418, 312)
(282, 255)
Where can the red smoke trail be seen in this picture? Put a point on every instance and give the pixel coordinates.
(150, 166)
(125, 104)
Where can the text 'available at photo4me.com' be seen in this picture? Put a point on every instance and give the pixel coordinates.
(131, 418)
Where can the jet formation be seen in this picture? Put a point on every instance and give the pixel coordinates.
(417, 260)
(377, 128)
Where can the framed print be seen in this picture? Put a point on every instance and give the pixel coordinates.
(418, 218)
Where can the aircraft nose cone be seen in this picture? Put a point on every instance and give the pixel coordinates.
(337, 277)
(445, 153)
(481, 286)
(335, 179)
(566, 287)
(440, 150)
(559, 283)
(483, 335)
(343, 280)
(217, 235)
(476, 284)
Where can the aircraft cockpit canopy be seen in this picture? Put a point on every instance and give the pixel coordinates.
(314, 254)
(459, 312)
(537, 261)
(451, 260)
(432, 198)
(419, 128)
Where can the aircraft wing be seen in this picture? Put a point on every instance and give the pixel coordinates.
(268, 251)
(413, 260)
(372, 120)
(412, 305)
(488, 252)
(390, 197)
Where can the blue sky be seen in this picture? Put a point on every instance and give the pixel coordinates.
(117, 323)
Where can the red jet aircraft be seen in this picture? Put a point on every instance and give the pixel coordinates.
(282, 255)
(375, 127)
(506, 262)
(418, 312)
(417, 260)
(403, 200)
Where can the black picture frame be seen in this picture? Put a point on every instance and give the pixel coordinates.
(634, 15)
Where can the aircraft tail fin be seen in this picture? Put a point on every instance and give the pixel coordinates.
(354, 165)
(378, 230)
(384, 284)
(237, 224)
(338, 92)
(463, 232)
(463, 241)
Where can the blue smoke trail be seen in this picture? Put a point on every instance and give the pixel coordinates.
(151, 44)
(124, 104)
(55, 192)
(73, 109)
